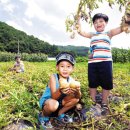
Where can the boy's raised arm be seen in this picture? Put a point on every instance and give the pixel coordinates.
(115, 31)
(80, 32)
(125, 24)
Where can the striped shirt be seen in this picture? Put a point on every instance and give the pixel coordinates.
(100, 48)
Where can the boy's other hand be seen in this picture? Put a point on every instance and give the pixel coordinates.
(65, 90)
(75, 85)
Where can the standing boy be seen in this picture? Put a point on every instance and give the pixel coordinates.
(100, 58)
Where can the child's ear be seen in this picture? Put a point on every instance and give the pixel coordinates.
(56, 67)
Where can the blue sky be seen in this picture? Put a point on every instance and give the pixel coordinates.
(45, 19)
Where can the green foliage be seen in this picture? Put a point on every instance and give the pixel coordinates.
(20, 92)
(10, 37)
(121, 55)
(77, 50)
(39, 57)
(4, 56)
(82, 59)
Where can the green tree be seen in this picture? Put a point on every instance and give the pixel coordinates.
(9, 38)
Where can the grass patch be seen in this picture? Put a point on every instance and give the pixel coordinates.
(20, 93)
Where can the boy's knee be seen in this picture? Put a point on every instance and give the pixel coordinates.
(53, 105)
(77, 100)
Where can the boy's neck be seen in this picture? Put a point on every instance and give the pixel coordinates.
(60, 76)
(101, 31)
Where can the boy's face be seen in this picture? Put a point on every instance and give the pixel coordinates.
(65, 69)
(99, 25)
(18, 60)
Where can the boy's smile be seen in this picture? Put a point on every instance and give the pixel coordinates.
(100, 25)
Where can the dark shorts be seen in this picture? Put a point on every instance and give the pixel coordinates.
(100, 74)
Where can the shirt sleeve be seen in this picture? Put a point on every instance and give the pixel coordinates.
(21, 66)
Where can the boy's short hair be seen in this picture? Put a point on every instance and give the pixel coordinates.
(65, 56)
(17, 57)
(100, 15)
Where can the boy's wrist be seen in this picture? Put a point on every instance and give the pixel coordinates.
(60, 91)
(78, 94)
(79, 31)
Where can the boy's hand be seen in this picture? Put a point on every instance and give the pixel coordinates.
(69, 88)
(75, 85)
(64, 86)
(63, 83)
(65, 90)
(75, 90)
(127, 19)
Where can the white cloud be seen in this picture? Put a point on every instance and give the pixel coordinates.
(121, 41)
(4, 1)
(28, 22)
(33, 10)
(7, 6)
(45, 37)
(12, 23)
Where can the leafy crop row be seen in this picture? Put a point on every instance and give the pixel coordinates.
(20, 93)
(34, 57)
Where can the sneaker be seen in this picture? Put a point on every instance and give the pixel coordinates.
(95, 110)
(104, 109)
(68, 119)
(65, 118)
(44, 121)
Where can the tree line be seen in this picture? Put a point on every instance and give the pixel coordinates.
(11, 37)
(13, 40)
